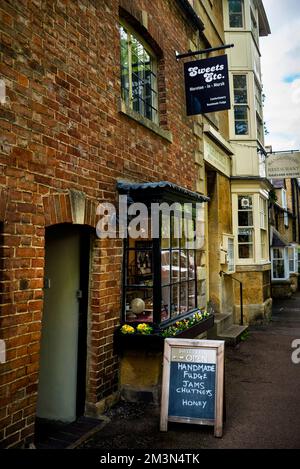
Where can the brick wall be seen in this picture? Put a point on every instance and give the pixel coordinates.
(61, 130)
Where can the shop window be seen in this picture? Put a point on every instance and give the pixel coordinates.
(138, 74)
(245, 227)
(160, 273)
(280, 268)
(236, 13)
(241, 120)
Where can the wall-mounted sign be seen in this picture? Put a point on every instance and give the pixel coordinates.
(207, 85)
(216, 157)
(192, 388)
(283, 165)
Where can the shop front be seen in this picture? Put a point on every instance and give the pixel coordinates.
(162, 288)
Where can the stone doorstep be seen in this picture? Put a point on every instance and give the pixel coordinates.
(221, 322)
(72, 435)
(90, 433)
(232, 335)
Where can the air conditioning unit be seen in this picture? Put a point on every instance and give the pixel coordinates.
(245, 203)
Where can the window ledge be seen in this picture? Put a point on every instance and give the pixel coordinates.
(284, 281)
(124, 109)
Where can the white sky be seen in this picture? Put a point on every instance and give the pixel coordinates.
(281, 74)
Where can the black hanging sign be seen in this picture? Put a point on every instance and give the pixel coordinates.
(207, 85)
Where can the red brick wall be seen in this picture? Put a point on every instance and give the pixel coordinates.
(61, 130)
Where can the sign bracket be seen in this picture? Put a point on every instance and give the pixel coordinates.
(204, 51)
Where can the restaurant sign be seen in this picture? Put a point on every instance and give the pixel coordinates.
(283, 165)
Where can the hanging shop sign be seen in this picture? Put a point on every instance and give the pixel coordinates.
(192, 388)
(283, 165)
(207, 85)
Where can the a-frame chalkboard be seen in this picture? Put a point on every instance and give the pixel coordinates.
(193, 383)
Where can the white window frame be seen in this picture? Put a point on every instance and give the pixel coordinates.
(230, 257)
(228, 254)
(243, 17)
(286, 263)
(241, 105)
(293, 257)
(240, 227)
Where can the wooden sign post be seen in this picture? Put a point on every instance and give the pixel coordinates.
(193, 383)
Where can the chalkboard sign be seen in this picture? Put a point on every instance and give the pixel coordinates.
(193, 378)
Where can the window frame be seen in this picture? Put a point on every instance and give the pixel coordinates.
(153, 70)
(241, 105)
(294, 259)
(240, 227)
(157, 285)
(284, 258)
(242, 15)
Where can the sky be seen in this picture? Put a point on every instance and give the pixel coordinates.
(281, 74)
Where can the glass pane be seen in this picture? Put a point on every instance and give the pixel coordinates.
(278, 269)
(183, 265)
(235, 6)
(241, 128)
(278, 253)
(245, 218)
(245, 235)
(175, 301)
(240, 96)
(183, 297)
(192, 295)
(192, 269)
(244, 202)
(240, 113)
(165, 267)
(165, 303)
(245, 251)
(236, 21)
(240, 82)
(124, 64)
(176, 230)
(140, 265)
(139, 305)
(175, 266)
(165, 231)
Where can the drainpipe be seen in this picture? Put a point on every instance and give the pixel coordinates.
(241, 294)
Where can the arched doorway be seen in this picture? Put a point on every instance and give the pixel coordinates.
(62, 377)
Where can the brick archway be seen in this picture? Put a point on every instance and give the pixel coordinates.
(69, 207)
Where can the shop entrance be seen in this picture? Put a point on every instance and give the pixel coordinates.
(62, 377)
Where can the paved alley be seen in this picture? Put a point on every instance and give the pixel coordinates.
(262, 398)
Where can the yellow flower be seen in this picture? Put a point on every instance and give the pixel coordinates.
(126, 329)
(144, 328)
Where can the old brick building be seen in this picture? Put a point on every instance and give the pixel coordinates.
(67, 137)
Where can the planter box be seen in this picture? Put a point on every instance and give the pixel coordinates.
(197, 329)
(155, 342)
